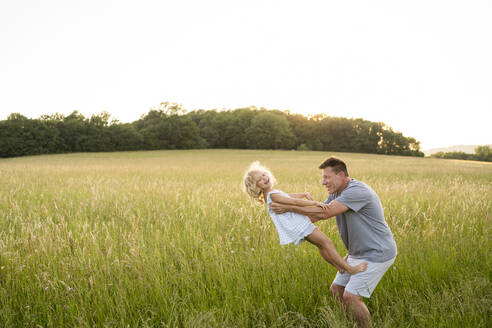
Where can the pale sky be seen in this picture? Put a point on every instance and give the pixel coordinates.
(422, 67)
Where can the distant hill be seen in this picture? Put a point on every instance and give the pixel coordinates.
(469, 149)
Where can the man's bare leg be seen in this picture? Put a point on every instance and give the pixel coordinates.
(356, 307)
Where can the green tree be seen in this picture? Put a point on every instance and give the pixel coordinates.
(52, 139)
(336, 134)
(270, 131)
(235, 126)
(302, 128)
(125, 137)
(167, 127)
(74, 132)
(483, 153)
(367, 136)
(207, 122)
(98, 133)
(13, 138)
(453, 155)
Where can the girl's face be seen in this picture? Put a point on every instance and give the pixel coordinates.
(262, 180)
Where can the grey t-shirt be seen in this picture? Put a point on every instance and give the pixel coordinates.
(362, 227)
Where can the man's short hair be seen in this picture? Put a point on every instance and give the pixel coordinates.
(336, 164)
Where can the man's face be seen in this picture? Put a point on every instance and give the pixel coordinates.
(331, 180)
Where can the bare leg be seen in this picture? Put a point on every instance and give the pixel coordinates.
(337, 292)
(330, 254)
(357, 308)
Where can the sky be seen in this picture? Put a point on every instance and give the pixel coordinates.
(422, 67)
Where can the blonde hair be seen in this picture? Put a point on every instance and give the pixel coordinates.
(249, 183)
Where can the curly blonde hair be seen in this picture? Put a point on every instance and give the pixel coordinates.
(249, 183)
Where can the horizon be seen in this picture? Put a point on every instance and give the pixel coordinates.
(421, 68)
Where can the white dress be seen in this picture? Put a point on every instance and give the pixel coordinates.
(292, 227)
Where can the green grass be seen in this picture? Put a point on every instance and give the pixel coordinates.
(167, 239)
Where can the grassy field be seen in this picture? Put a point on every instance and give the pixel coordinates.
(167, 239)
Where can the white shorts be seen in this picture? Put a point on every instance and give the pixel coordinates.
(363, 283)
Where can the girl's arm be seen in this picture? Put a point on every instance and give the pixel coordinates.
(303, 195)
(278, 198)
(297, 195)
(314, 212)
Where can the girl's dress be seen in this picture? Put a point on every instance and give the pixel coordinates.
(292, 227)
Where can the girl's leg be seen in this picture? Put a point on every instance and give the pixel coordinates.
(329, 253)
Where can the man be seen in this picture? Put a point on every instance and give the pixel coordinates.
(363, 229)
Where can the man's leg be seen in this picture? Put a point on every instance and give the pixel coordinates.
(355, 306)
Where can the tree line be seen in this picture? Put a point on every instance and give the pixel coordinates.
(482, 153)
(169, 126)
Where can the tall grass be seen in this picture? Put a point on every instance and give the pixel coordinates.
(167, 239)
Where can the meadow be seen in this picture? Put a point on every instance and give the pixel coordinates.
(168, 239)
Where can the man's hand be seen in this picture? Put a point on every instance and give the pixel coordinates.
(278, 208)
(345, 259)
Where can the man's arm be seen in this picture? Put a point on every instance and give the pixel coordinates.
(332, 209)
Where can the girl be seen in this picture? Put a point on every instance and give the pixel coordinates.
(292, 227)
